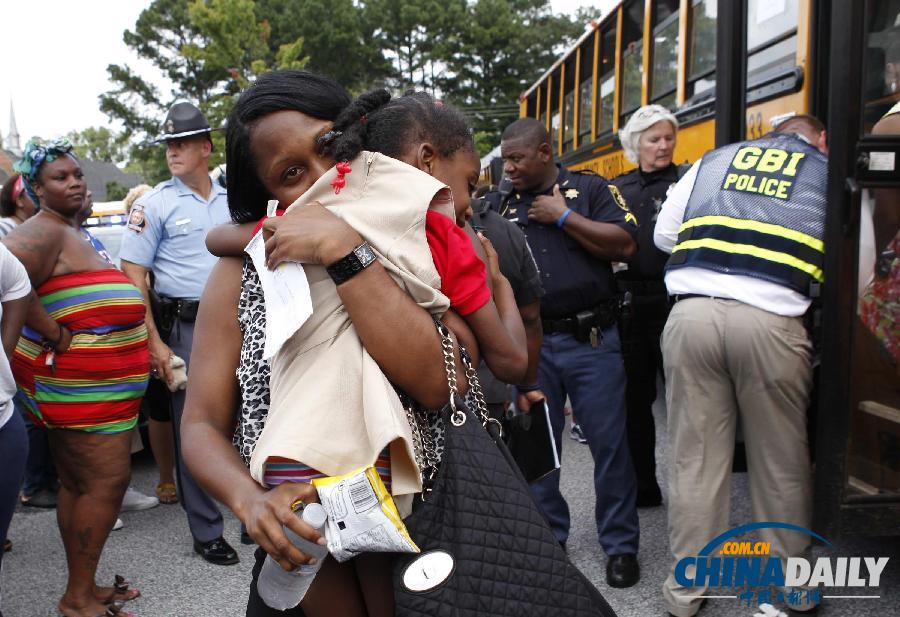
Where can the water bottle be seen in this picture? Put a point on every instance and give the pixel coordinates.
(283, 590)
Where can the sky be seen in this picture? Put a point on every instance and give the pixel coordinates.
(54, 55)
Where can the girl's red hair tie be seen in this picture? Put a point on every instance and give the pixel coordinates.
(340, 181)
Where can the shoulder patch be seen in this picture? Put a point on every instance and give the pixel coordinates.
(620, 201)
(136, 222)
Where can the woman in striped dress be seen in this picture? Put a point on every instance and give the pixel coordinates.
(81, 367)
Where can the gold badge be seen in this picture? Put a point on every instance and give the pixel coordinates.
(620, 201)
(571, 193)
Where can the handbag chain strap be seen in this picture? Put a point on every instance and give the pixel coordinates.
(477, 392)
(458, 416)
(424, 446)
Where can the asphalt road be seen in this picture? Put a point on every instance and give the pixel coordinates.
(154, 550)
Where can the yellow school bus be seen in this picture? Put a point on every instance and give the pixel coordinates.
(664, 52)
(838, 60)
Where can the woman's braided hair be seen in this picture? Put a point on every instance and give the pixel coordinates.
(379, 123)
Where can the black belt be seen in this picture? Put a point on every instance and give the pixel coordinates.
(168, 313)
(680, 297)
(580, 324)
(182, 308)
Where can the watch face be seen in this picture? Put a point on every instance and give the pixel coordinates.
(365, 254)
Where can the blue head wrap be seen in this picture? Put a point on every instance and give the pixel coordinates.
(35, 155)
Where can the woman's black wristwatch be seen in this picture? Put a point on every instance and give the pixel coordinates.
(351, 264)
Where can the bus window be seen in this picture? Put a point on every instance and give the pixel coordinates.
(569, 104)
(554, 110)
(881, 83)
(702, 55)
(632, 58)
(585, 90)
(542, 112)
(531, 106)
(606, 87)
(665, 52)
(771, 37)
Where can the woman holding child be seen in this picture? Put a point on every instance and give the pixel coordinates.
(282, 137)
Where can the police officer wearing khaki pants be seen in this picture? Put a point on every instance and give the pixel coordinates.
(745, 227)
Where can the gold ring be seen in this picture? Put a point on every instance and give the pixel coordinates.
(298, 503)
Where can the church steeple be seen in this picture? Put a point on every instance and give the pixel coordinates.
(12, 139)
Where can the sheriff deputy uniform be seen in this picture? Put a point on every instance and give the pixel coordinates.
(581, 355)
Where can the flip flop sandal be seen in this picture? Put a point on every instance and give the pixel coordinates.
(167, 493)
(120, 588)
(116, 610)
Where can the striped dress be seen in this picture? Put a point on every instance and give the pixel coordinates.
(97, 385)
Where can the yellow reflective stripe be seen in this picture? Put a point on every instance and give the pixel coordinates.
(755, 251)
(766, 228)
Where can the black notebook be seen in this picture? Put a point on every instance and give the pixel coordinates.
(531, 442)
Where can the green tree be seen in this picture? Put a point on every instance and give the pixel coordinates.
(207, 50)
(416, 35)
(339, 40)
(98, 143)
(115, 191)
(499, 49)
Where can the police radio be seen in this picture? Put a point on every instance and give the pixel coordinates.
(506, 191)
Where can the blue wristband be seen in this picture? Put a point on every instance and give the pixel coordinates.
(563, 217)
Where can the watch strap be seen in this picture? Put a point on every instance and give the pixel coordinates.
(351, 264)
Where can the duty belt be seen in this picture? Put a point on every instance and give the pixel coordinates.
(184, 310)
(580, 324)
(171, 312)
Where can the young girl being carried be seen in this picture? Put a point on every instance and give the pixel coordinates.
(409, 165)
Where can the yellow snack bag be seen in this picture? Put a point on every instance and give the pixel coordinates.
(362, 516)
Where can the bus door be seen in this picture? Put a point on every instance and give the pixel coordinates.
(858, 461)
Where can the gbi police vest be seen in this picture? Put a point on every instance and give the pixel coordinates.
(758, 209)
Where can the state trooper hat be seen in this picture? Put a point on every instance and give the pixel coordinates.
(183, 120)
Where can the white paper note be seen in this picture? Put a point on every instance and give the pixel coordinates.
(286, 292)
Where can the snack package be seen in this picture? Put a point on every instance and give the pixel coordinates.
(362, 516)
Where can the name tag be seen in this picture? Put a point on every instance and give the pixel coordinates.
(182, 221)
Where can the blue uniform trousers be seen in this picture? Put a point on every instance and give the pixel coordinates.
(594, 379)
(204, 517)
(40, 472)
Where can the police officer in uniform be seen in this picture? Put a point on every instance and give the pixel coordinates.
(745, 227)
(166, 235)
(648, 140)
(576, 224)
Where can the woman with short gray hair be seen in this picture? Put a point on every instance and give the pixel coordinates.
(648, 140)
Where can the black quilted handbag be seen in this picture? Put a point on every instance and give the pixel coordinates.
(486, 548)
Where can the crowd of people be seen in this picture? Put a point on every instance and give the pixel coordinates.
(574, 290)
